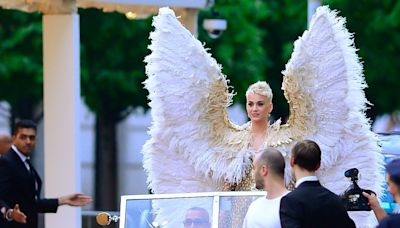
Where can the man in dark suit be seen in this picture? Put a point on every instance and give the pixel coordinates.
(311, 205)
(20, 184)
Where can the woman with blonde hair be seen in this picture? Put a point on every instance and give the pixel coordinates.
(201, 150)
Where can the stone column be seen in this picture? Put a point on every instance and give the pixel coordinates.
(61, 68)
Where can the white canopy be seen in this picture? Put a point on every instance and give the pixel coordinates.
(140, 7)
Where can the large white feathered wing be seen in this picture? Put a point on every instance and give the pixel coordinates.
(323, 82)
(193, 146)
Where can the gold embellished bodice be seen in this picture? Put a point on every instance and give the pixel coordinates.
(276, 138)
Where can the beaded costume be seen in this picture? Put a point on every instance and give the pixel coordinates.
(195, 148)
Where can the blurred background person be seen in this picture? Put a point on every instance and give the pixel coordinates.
(5, 142)
(393, 186)
(387, 123)
(197, 217)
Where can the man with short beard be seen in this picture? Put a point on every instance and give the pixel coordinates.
(269, 166)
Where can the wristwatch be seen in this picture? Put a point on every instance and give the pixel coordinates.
(8, 215)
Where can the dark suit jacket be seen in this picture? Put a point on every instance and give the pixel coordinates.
(17, 186)
(311, 205)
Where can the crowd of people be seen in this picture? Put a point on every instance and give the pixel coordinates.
(309, 204)
(192, 136)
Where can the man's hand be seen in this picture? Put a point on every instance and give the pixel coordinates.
(76, 200)
(372, 200)
(375, 206)
(16, 215)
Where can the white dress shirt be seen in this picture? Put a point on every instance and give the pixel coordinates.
(22, 157)
(304, 179)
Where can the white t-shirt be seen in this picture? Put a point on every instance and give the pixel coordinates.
(263, 213)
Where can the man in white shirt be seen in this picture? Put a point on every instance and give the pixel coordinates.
(269, 166)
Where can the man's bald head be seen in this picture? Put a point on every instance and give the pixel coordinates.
(273, 159)
(268, 163)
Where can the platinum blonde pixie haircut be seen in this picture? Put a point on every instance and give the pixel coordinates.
(261, 88)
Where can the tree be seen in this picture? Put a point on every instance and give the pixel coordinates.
(113, 72)
(258, 43)
(375, 24)
(285, 22)
(113, 49)
(239, 50)
(21, 64)
(256, 46)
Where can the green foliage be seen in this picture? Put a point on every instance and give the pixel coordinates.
(280, 22)
(376, 26)
(112, 59)
(286, 21)
(113, 49)
(21, 65)
(257, 43)
(239, 50)
(256, 46)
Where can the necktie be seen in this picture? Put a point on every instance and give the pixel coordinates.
(32, 172)
(30, 167)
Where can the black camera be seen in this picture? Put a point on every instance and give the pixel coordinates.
(352, 198)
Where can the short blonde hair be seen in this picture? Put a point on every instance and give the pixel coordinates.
(262, 88)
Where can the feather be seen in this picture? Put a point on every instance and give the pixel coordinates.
(323, 82)
(193, 145)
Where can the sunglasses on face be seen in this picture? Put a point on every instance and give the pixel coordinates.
(188, 222)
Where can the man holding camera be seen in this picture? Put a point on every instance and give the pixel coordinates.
(393, 183)
(310, 204)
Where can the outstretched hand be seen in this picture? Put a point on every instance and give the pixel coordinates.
(375, 206)
(76, 200)
(17, 215)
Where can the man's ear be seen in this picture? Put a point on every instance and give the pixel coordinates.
(264, 170)
(317, 167)
(391, 187)
(292, 162)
